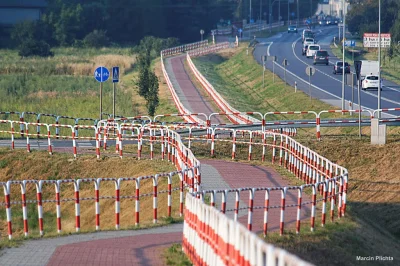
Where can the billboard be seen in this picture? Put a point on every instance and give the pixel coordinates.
(371, 40)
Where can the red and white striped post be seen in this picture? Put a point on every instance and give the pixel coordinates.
(250, 146)
(300, 189)
(49, 147)
(137, 201)
(190, 138)
(28, 145)
(97, 143)
(169, 194)
(332, 191)
(151, 144)
(181, 187)
(266, 208)
(283, 203)
(237, 201)
(318, 122)
(117, 203)
(344, 193)
(74, 143)
(24, 209)
(163, 144)
(105, 133)
(325, 187)
(251, 204)
(155, 184)
(77, 207)
(58, 207)
(223, 202)
(6, 187)
(120, 143)
(39, 205)
(212, 141)
(233, 144)
(12, 136)
(274, 150)
(212, 198)
(97, 202)
(264, 142)
(314, 202)
(281, 152)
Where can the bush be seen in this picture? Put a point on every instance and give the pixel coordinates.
(32, 47)
(96, 39)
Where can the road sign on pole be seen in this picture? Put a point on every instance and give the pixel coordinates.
(115, 74)
(310, 71)
(115, 78)
(101, 74)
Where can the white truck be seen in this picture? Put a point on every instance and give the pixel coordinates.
(369, 74)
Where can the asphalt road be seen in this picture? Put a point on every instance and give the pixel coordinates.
(325, 85)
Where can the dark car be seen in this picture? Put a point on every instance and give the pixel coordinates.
(321, 57)
(304, 50)
(338, 67)
(292, 28)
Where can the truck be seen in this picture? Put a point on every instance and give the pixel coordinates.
(369, 75)
(369, 68)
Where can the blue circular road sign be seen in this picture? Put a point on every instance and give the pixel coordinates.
(101, 74)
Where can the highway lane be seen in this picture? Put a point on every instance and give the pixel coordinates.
(326, 85)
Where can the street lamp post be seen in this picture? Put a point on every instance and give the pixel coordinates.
(343, 46)
(298, 14)
(201, 33)
(379, 61)
(250, 12)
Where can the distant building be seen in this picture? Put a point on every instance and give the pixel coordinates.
(14, 11)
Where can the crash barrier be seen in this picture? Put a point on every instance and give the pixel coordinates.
(188, 170)
(181, 108)
(237, 118)
(211, 238)
(183, 48)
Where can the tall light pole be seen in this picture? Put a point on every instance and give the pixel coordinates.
(250, 12)
(298, 14)
(343, 46)
(279, 11)
(260, 11)
(379, 61)
(288, 12)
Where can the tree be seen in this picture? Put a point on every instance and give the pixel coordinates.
(31, 47)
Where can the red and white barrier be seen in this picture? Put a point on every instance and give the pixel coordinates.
(210, 238)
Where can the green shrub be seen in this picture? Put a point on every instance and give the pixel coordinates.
(96, 39)
(33, 47)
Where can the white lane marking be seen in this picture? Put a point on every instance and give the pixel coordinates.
(312, 85)
(366, 92)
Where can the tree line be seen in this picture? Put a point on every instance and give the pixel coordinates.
(363, 16)
(97, 23)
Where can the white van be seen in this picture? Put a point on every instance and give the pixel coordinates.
(312, 49)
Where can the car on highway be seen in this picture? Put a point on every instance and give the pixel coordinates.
(308, 41)
(370, 82)
(312, 50)
(338, 67)
(292, 29)
(321, 57)
(304, 49)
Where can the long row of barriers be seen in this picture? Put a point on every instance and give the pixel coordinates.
(196, 119)
(237, 117)
(318, 173)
